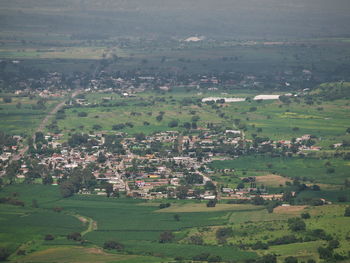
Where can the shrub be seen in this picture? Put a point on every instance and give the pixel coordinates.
(173, 123)
(161, 206)
(212, 203)
(74, 236)
(291, 260)
(117, 127)
(325, 253)
(113, 245)
(82, 114)
(4, 253)
(224, 232)
(305, 216)
(270, 258)
(196, 240)
(49, 237)
(166, 237)
(347, 211)
(57, 209)
(213, 258)
(201, 257)
(296, 224)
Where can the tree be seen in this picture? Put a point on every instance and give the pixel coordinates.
(109, 189)
(224, 232)
(291, 260)
(49, 237)
(270, 258)
(66, 189)
(212, 203)
(140, 136)
(101, 158)
(181, 192)
(347, 211)
(4, 253)
(113, 245)
(173, 123)
(82, 114)
(305, 215)
(258, 200)
(333, 244)
(7, 99)
(296, 224)
(166, 237)
(177, 217)
(209, 185)
(325, 253)
(74, 236)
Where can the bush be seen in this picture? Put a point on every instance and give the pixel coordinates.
(224, 232)
(270, 258)
(296, 224)
(342, 198)
(196, 240)
(305, 216)
(201, 257)
(74, 236)
(166, 237)
(212, 203)
(57, 209)
(49, 237)
(325, 253)
(291, 260)
(82, 114)
(213, 258)
(117, 127)
(4, 253)
(113, 245)
(260, 245)
(347, 211)
(162, 206)
(173, 124)
(333, 244)
(289, 239)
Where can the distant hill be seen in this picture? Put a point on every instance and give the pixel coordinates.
(242, 19)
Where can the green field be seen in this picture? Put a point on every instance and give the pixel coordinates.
(313, 169)
(21, 120)
(137, 224)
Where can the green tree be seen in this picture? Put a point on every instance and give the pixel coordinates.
(296, 224)
(347, 211)
(113, 245)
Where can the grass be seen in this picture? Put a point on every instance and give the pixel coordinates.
(77, 254)
(22, 120)
(189, 208)
(310, 168)
(137, 226)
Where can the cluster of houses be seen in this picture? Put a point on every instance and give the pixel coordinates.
(142, 170)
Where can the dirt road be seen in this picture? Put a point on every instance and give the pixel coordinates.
(42, 126)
